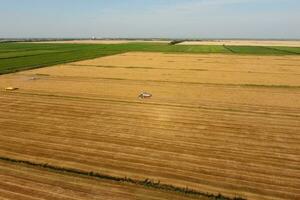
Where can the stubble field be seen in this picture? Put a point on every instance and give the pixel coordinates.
(224, 124)
(20, 182)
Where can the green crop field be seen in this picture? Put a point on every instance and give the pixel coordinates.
(259, 50)
(289, 49)
(21, 56)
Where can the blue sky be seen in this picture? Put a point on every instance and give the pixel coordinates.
(151, 18)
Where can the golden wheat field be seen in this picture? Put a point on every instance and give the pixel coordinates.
(224, 124)
(32, 184)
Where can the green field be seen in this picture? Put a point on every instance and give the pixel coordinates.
(22, 56)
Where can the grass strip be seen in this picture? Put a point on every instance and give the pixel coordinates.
(145, 183)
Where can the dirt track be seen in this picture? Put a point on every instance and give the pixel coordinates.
(217, 135)
(286, 43)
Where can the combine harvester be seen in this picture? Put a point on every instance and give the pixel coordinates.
(145, 95)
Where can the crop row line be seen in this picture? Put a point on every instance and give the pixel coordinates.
(175, 69)
(71, 78)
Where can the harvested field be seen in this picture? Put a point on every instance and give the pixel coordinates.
(19, 182)
(194, 69)
(286, 43)
(216, 123)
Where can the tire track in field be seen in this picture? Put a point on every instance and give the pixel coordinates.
(245, 85)
(104, 155)
(68, 114)
(112, 120)
(184, 120)
(172, 69)
(206, 181)
(71, 101)
(42, 194)
(16, 196)
(230, 154)
(205, 105)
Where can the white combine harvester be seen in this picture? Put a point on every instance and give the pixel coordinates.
(145, 95)
(11, 88)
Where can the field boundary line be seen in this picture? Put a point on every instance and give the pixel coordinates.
(229, 49)
(281, 50)
(177, 69)
(183, 82)
(147, 183)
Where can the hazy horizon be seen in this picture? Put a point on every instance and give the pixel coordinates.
(188, 19)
